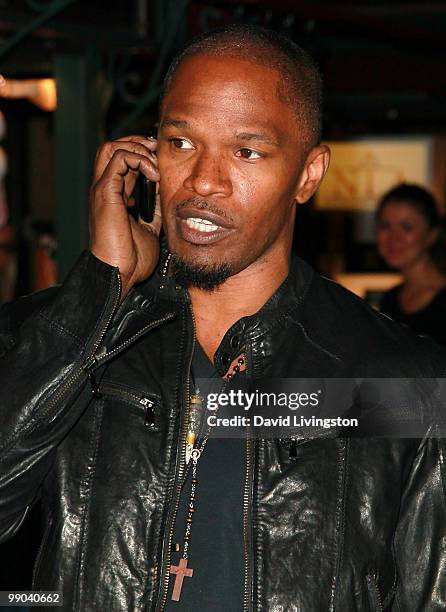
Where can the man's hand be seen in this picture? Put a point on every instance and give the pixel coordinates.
(115, 237)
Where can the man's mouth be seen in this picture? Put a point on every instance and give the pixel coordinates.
(202, 225)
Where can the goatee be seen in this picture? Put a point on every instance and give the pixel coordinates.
(200, 276)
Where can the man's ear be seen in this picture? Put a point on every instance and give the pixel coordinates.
(315, 167)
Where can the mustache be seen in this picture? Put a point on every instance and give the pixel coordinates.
(202, 204)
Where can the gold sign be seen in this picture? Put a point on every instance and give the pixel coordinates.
(362, 171)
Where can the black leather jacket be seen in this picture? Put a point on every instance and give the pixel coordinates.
(91, 415)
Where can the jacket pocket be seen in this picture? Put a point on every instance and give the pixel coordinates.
(42, 551)
(147, 405)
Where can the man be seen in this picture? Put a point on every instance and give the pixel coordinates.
(99, 376)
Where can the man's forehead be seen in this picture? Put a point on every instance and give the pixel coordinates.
(237, 92)
(204, 67)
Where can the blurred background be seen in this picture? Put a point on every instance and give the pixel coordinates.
(76, 72)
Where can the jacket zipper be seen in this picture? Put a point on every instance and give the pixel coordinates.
(90, 361)
(95, 360)
(148, 404)
(378, 594)
(112, 314)
(133, 398)
(246, 526)
(372, 579)
(179, 478)
(247, 505)
(103, 355)
(97, 357)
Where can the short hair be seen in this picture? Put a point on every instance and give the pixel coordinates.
(301, 80)
(413, 195)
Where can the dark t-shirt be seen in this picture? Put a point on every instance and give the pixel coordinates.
(216, 544)
(430, 321)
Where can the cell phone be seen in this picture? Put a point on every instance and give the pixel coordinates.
(145, 193)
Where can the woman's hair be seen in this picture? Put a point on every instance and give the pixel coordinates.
(422, 201)
(412, 195)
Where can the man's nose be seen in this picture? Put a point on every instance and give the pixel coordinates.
(209, 175)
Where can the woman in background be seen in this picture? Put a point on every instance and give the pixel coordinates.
(408, 236)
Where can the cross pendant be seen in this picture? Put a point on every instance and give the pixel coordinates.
(181, 571)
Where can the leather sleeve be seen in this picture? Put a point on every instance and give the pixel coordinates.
(45, 341)
(420, 543)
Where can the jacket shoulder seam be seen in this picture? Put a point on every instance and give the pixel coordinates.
(60, 328)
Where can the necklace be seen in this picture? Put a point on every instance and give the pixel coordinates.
(193, 454)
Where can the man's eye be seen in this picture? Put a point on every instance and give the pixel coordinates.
(248, 154)
(181, 143)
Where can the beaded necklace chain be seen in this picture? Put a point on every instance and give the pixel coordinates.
(193, 454)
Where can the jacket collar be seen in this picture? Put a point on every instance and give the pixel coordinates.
(288, 298)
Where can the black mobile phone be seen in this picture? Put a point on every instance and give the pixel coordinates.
(145, 194)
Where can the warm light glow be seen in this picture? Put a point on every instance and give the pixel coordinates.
(41, 92)
(362, 282)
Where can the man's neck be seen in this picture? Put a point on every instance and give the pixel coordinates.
(239, 296)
